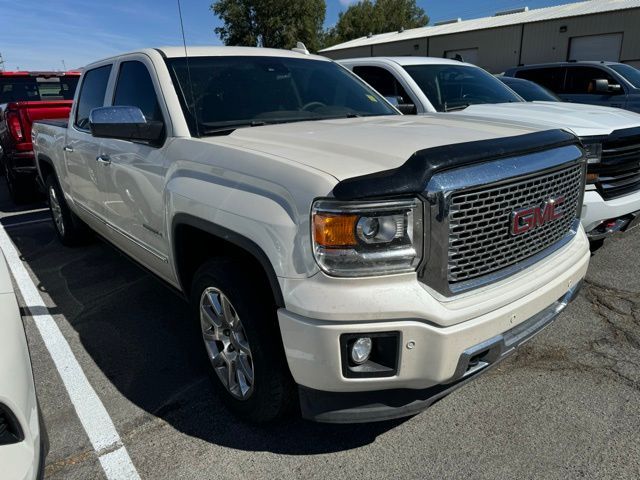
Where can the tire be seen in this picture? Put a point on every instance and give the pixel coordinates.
(20, 189)
(269, 393)
(70, 230)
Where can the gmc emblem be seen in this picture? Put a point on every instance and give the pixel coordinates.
(533, 217)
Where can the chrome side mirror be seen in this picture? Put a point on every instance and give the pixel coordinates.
(124, 123)
(603, 86)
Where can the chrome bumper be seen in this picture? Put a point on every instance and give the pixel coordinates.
(361, 407)
(486, 353)
(622, 224)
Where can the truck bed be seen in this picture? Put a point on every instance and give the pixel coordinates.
(55, 122)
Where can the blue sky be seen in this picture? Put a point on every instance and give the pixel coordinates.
(40, 34)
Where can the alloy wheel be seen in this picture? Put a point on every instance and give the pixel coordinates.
(226, 343)
(56, 210)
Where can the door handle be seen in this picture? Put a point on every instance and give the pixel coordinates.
(67, 148)
(103, 159)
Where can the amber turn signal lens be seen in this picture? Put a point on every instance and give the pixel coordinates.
(333, 231)
(592, 177)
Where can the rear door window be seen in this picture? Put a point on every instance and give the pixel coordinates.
(92, 92)
(551, 78)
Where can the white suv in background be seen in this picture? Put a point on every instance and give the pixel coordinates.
(611, 136)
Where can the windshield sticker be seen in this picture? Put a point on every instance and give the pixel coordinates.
(372, 98)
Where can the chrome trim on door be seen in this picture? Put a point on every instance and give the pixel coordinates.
(124, 234)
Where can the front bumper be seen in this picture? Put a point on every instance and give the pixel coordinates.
(360, 407)
(624, 213)
(442, 338)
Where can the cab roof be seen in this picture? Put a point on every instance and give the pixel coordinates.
(179, 52)
(568, 63)
(405, 61)
(71, 73)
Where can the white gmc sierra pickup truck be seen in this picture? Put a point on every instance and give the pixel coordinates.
(336, 254)
(611, 136)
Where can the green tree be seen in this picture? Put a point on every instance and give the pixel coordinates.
(270, 23)
(375, 16)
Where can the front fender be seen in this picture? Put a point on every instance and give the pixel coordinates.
(254, 196)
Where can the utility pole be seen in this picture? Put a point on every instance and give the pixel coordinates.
(64, 65)
(1, 63)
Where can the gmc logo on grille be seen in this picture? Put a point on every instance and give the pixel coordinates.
(533, 217)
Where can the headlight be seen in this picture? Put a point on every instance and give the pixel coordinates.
(593, 152)
(353, 239)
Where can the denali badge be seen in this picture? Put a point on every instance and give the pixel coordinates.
(533, 217)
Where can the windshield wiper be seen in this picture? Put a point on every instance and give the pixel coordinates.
(229, 129)
(455, 107)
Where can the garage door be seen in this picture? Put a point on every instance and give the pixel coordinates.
(596, 47)
(469, 55)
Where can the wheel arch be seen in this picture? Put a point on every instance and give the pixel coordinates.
(185, 227)
(45, 167)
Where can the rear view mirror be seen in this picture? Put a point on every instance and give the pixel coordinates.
(395, 101)
(124, 123)
(407, 108)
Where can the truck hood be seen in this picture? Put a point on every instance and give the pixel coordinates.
(583, 120)
(347, 148)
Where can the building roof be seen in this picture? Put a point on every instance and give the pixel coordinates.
(536, 15)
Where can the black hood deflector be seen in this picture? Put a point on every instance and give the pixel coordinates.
(412, 177)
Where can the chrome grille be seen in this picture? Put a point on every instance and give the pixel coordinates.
(480, 241)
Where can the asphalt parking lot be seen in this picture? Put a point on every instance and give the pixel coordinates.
(566, 406)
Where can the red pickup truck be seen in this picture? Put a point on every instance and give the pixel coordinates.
(24, 98)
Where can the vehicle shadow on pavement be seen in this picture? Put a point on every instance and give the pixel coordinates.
(139, 335)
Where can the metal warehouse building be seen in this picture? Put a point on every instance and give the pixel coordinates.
(591, 30)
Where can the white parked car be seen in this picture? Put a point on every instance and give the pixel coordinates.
(23, 440)
(335, 253)
(611, 136)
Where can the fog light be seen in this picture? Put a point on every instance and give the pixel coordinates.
(361, 349)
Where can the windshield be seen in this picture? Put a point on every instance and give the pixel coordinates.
(632, 75)
(29, 89)
(530, 91)
(454, 87)
(231, 92)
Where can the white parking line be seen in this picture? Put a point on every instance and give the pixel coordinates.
(29, 222)
(97, 423)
